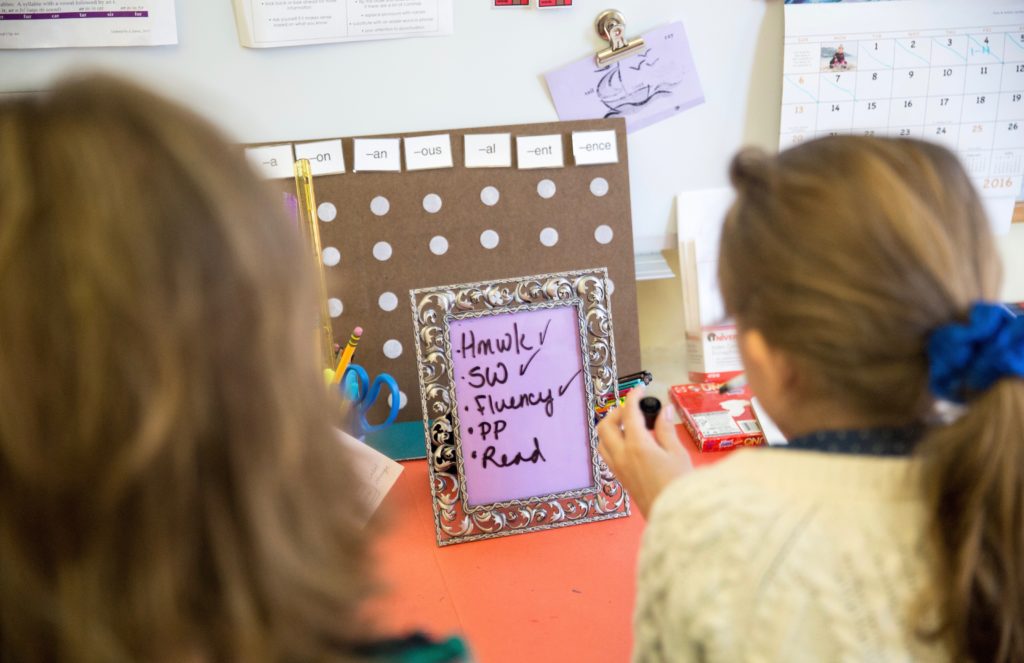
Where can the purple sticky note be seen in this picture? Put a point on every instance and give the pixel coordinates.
(523, 408)
(657, 82)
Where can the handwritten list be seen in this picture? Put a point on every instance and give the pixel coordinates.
(522, 404)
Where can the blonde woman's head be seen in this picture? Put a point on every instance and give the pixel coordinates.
(170, 488)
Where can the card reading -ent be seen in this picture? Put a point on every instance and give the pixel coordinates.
(539, 151)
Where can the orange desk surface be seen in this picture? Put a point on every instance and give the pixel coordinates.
(558, 595)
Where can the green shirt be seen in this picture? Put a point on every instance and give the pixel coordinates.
(416, 648)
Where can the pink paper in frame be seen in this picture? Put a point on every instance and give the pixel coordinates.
(519, 379)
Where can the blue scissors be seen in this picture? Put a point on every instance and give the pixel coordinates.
(364, 394)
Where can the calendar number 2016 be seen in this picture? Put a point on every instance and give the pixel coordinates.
(997, 183)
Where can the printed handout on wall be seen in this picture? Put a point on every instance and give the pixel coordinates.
(68, 23)
(272, 23)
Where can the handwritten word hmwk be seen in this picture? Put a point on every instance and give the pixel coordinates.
(472, 348)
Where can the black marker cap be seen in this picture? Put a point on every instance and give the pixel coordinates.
(650, 406)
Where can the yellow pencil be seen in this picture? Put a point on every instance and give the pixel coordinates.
(346, 356)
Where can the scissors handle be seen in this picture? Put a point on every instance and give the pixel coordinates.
(357, 388)
(366, 394)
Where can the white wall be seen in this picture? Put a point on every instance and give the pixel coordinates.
(488, 72)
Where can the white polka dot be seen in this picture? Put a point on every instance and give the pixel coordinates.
(546, 188)
(489, 239)
(388, 301)
(438, 245)
(331, 256)
(402, 400)
(549, 237)
(610, 285)
(382, 251)
(603, 234)
(599, 186)
(335, 307)
(327, 212)
(380, 205)
(392, 349)
(489, 196)
(432, 203)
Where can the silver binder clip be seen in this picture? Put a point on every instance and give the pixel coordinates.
(611, 26)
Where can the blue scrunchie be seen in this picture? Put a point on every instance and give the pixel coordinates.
(966, 358)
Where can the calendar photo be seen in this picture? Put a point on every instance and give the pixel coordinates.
(838, 58)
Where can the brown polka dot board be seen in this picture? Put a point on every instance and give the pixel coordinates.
(385, 233)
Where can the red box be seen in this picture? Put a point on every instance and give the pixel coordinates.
(717, 422)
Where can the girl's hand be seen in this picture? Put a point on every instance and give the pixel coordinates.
(642, 462)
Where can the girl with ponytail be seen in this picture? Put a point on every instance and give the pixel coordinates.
(892, 526)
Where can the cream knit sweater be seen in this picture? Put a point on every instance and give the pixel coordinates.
(784, 555)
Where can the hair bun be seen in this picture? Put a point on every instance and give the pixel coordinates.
(751, 168)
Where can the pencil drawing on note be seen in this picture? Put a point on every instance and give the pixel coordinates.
(657, 82)
(626, 87)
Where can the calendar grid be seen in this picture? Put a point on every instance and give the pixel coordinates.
(961, 87)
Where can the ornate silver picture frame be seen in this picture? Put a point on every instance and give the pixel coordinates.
(510, 372)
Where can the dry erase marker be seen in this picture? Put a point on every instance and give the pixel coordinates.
(650, 406)
(346, 356)
(737, 382)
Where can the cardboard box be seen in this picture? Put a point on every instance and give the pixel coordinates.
(717, 422)
(712, 354)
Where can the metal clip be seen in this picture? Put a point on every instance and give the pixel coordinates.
(611, 26)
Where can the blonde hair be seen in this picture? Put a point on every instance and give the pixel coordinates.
(846, 253)
(170, 484)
